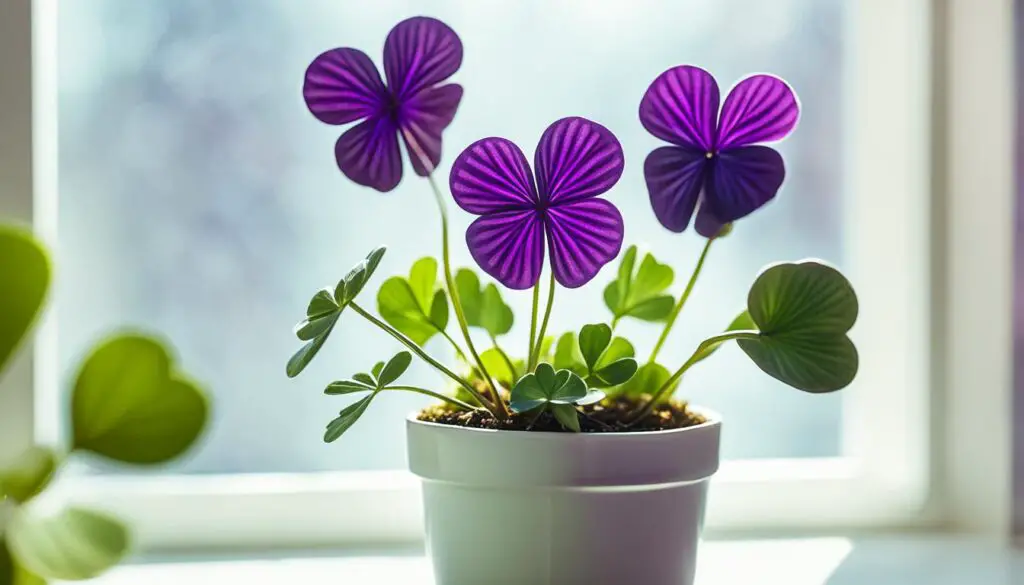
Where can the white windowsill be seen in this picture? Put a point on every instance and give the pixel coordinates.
(833, 560)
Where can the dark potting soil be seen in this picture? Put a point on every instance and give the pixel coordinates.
(608, 416)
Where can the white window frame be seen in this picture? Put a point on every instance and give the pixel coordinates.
(927, 81)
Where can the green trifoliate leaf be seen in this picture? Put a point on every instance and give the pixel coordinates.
(28, 475)
(412, 305)
(383, 374)
(346, 419)
(131, 404)
(325, 308)
(647, 380)
(803, 311)
(567, 416)
(594, 339)
(24, 280)
(395, 367)
(613, 364)
(483, 307)
(640, 294)
(71, 545)
(544, 386)
(567, 388)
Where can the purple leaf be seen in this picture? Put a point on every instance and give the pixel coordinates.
(744, 179)
(368, 154)
(492, 175)
(675, 177)
(509, 246)
(419, 53)
(422, 118)
(576, 159)
(681, 107)
(343, 86)
(761, 108)
(583, 236)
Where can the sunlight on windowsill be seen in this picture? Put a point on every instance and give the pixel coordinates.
(895, 560)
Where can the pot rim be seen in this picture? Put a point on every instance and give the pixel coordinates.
(713, 419)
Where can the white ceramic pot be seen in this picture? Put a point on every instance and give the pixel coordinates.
(519, 508)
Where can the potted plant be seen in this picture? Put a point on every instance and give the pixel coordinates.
(538, 465)
(130, 404)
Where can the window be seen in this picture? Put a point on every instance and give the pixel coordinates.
(199, 198)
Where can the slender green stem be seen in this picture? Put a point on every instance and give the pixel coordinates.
(461, 354)
(425, 357)
(449, 399)
(698, 355)
(504, 356)
(682, 301)
(543, 324)
(455, 345)
(533, 323)
(453, 293)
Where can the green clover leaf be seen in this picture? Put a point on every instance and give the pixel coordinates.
(483, 308)
(326, 307)
(602, 360)
(558, 391)
(384, 374)
(24, 280)
(73, 544)
(803, 312)
(640, 294)
(416, 306)
(131, 404)
(29, 474)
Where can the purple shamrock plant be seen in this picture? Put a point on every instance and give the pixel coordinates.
(717, 169)
(342, 86)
